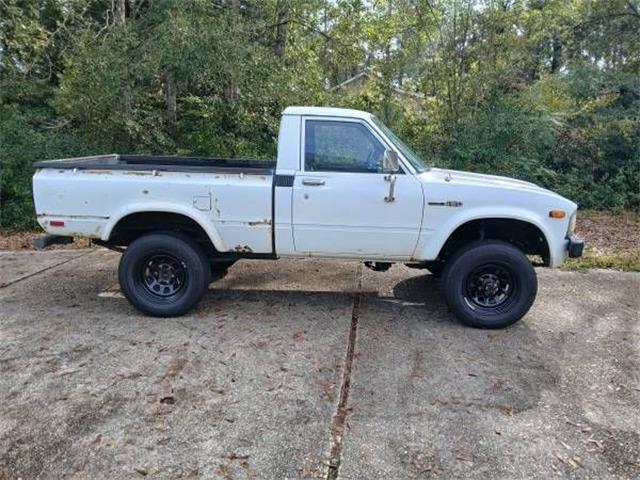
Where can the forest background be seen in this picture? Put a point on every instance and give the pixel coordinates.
(543, 90)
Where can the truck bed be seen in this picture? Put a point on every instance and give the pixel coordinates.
(231, 200)
(167, 163)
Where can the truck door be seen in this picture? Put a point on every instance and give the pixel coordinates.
(341, 204)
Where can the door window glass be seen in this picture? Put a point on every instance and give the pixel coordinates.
(333, 146)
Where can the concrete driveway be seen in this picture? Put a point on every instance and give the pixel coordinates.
(312, 369)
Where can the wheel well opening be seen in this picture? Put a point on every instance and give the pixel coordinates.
(524, 235)
(135, 225)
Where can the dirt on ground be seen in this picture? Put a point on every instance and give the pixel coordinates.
(607, 233)
(22, 241)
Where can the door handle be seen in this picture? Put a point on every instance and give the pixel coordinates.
(392, 186)
(313, 182)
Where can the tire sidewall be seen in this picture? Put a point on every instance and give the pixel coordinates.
(479, 253)
(184, 250)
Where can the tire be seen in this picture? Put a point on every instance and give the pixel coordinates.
(163, 274)
(489, 284)
(219, 270)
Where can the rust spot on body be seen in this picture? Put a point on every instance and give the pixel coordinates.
(243, 249)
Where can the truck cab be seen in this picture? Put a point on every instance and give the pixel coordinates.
(341, 199)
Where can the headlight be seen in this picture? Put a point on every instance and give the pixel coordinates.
(572, 223)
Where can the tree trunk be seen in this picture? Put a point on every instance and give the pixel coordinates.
(556, 52)
(230, 89)
(120, 12)
(282, 14)
(231, 85)
(170, 94)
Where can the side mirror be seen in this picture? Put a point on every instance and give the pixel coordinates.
(391, 161)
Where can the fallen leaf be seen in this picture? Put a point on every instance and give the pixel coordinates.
(507, 409)
(235, 456)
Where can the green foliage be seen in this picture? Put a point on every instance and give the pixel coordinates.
(543, 90)
(26, 136)
(596, 159)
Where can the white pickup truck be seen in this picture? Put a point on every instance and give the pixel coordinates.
(343, 186)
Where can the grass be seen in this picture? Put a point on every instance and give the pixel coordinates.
(626, 262)
(630, 215)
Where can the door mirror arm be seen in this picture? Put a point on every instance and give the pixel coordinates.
(391, 161)
(391, 178)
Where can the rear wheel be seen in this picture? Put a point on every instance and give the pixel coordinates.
(489, 284)
(163, 274)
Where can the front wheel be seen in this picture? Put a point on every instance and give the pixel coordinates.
(163, 274)
(489, 284)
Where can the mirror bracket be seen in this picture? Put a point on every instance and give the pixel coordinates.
(391, 161)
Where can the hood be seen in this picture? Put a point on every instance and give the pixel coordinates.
(458, 177)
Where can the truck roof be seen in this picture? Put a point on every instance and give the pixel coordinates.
(327, 112)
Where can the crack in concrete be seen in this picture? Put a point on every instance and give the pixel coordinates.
(25, 277)
(339, 419)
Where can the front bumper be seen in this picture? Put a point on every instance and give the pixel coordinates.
(575, 246)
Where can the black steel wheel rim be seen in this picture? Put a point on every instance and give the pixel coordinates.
(163, 275)
(491, 288)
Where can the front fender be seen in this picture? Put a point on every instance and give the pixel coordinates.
(196, 215)
(434, 235)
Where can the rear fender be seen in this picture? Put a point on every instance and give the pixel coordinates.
(197, 216)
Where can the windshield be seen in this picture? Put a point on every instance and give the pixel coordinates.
(417, 163)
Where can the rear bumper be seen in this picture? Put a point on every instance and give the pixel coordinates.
(575, 246)
(43, 241)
